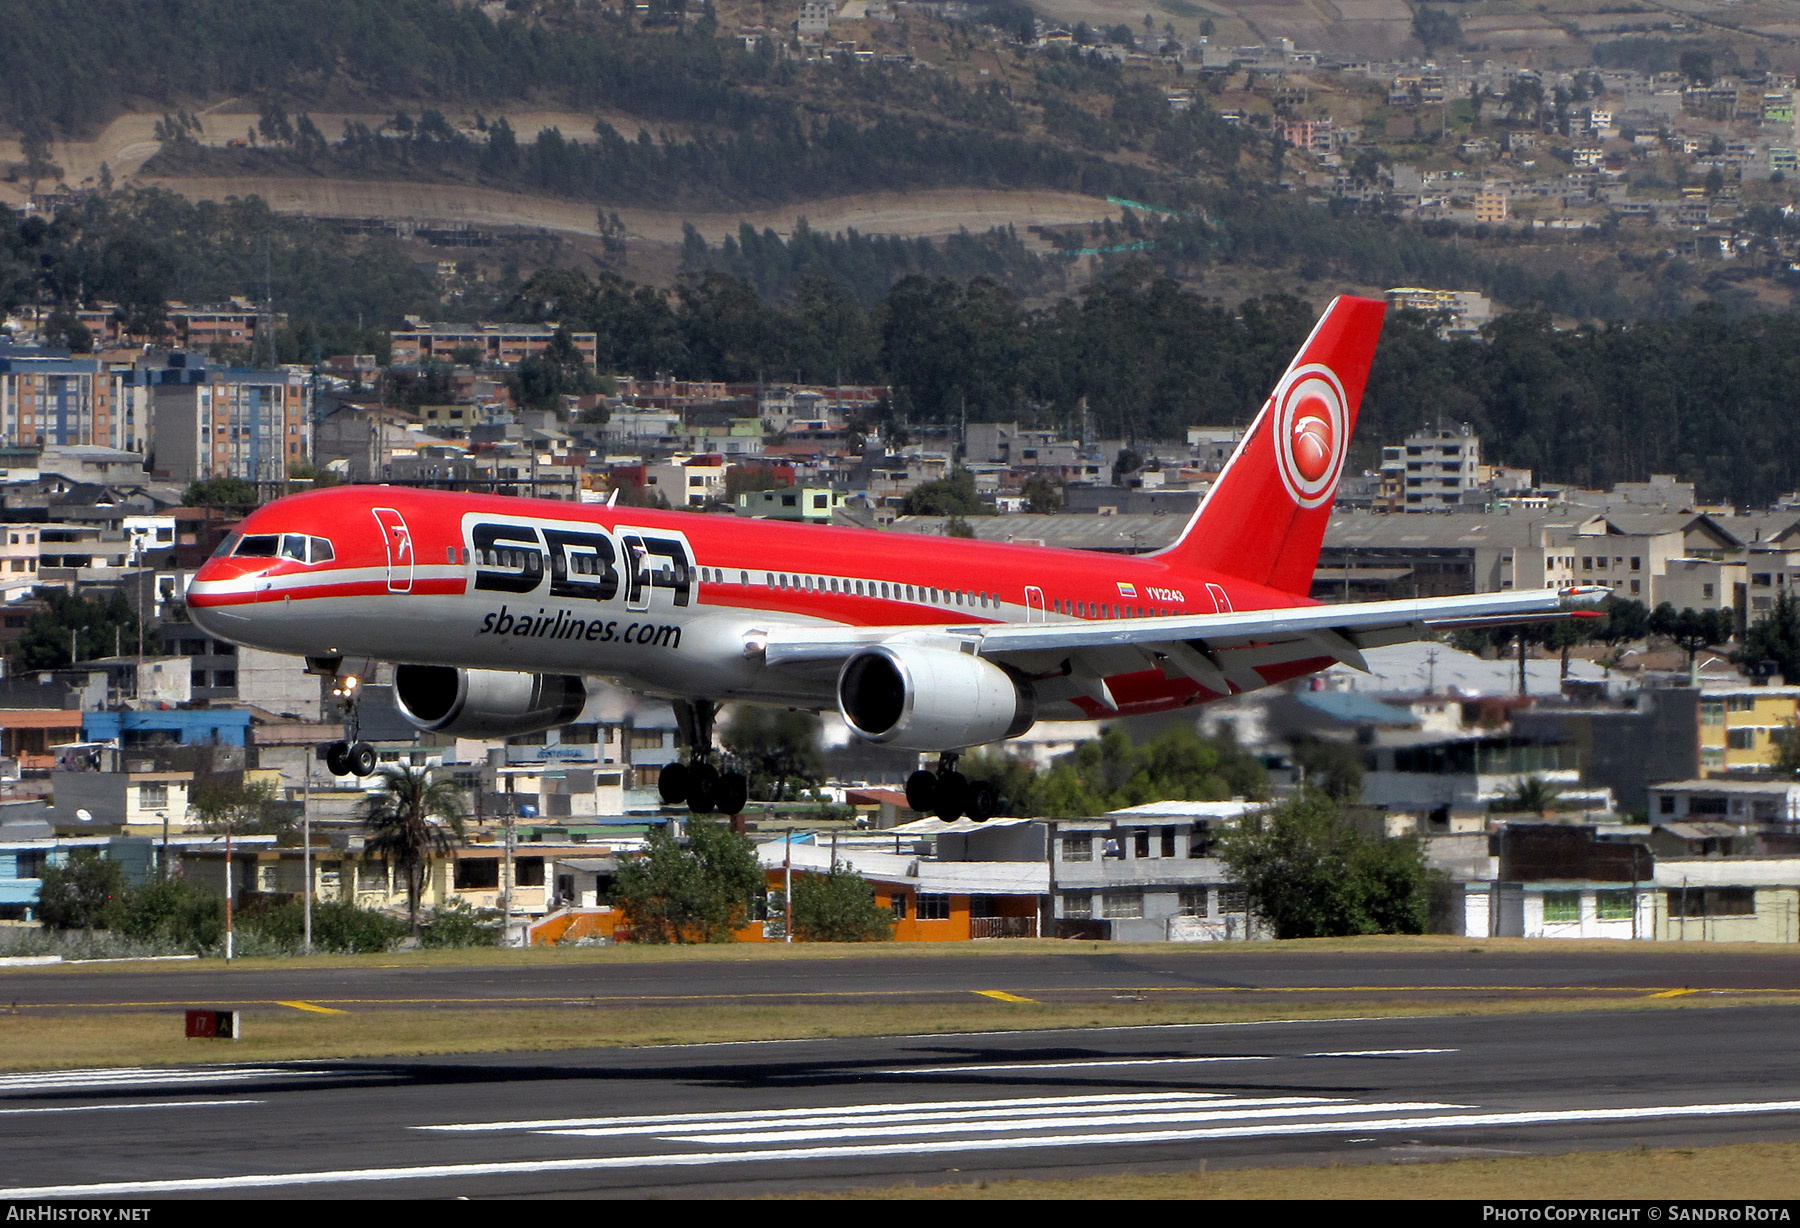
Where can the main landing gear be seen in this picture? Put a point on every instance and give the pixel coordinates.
(948, 794)
(698, 782)
(352, 756)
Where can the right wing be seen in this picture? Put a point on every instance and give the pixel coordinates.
(1221, 652)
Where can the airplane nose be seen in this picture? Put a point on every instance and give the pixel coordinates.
(217, 597)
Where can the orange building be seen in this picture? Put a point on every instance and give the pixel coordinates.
(932, 901)
(29, 734)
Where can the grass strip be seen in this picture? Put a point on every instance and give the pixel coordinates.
(1735, 1172)
(761, 952)
(276, 1033)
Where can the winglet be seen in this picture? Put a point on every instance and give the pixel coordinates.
(1265, 517)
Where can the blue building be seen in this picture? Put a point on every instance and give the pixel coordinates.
(169, 727)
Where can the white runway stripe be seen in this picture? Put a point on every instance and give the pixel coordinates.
(692, 1120)
(1379, 1053)
(501, 1168)
(113, 1108)
(759, 1126)
(66, 1080)
(1112, 1062)
(1093, 1122)
(1109, 1063)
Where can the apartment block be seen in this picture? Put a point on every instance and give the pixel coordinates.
(46, 399)
(1745, 728)
(1432, 470)
(252, 425)
(494, 345)
(18, 560)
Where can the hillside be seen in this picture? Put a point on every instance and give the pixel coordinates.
(553, 132)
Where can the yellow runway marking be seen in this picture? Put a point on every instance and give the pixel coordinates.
(314, 1007)
(1000, 995)
(584, 999)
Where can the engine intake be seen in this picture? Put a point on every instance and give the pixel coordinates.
(485, 702)
(932, 699)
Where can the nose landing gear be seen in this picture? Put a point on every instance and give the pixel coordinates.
(351, 756)
(949, 794)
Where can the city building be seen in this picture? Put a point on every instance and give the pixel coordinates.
(491, 345)
(226, 423)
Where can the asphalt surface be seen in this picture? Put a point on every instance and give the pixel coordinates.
(1188, 971)
(740, 1119)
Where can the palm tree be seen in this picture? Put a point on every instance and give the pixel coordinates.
(412, 820)
(1533, 795)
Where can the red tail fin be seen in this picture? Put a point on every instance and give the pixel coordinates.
(1265, 517)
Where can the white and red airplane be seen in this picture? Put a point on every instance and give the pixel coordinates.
(495, 609)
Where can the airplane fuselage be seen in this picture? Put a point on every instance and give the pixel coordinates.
(662, 602)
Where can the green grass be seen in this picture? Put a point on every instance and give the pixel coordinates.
(42, 1041)
(1740, 1171)
(754, 952)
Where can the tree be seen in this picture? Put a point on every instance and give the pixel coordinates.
(1436, 28)
(175, 911)
(86, 893)
(697, 892)
(1311, 874)
(93, 626)
(1691, 630)
(235, 807)
(1622, 621)
(1334, 767)
(839, 906)
(232, 804)
(1110, 772)
(412, 821)
(1042, 495)
(1531, 795)
(220, 492)
(542, 380)
(1775, 637)
(777, 748)
(953, 495)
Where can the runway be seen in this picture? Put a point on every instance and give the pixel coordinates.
(729, 1120)
(1178, 972)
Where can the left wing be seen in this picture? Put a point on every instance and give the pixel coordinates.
(1220, 652)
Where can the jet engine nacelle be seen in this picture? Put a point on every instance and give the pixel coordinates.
(485, 702)
(932, 699)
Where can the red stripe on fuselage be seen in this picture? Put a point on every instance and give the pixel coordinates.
(760, 548)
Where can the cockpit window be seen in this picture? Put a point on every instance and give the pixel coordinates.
(295, 546)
